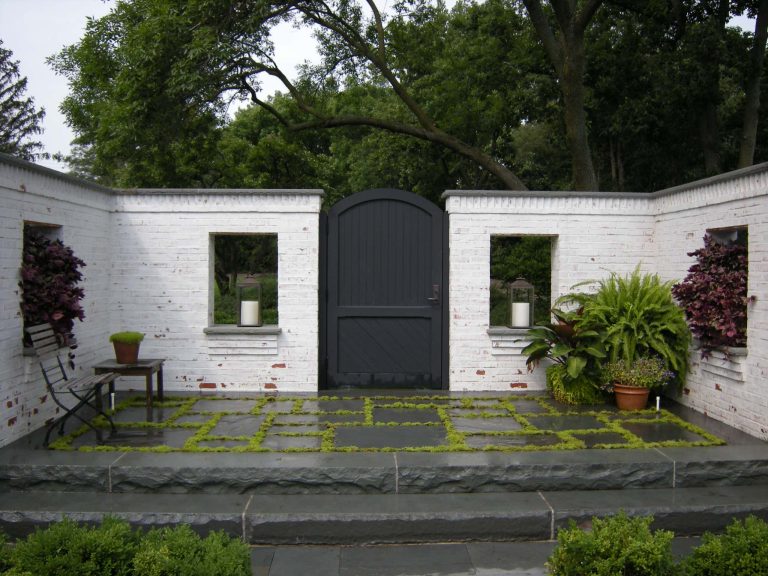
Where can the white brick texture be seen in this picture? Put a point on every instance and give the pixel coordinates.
(148, 255)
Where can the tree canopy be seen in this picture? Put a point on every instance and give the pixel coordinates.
(19, 119)
(585, 94)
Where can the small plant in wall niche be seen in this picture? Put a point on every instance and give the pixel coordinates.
(714, 295)
(50, 273)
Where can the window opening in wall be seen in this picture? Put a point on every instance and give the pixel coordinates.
(513, 257)
(50, 274)
(240, 257)
(714, 293)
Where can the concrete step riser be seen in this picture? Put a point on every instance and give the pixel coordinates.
(513, 477)
(340, 520)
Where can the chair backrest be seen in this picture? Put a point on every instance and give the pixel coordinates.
(46, 346)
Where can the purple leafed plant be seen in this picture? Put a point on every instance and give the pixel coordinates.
(50, 273)
(714, 295)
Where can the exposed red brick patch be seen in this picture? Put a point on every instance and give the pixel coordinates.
(686, 391)
(518, 385)
(12, 421)
(717, 387)
(270, 386)
(208, 385)
(35, 411)
(280, 365)
(480, 372)
(9, 404)
(43, 399)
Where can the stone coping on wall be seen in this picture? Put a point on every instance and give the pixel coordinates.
(52, 173)
(712, 180)
(220, 191)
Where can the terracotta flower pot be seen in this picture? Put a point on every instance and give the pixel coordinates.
(630, 397)
(126, 353)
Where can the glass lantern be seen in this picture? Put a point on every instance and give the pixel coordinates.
(521, 296)
(249, 302)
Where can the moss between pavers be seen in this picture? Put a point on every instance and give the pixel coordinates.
(456, 441)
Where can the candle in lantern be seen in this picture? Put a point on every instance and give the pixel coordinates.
(521, 314)
(249, 313)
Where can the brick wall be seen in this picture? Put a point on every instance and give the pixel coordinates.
(33, 194)
(149, 268)
(148, 255)
(598, 233)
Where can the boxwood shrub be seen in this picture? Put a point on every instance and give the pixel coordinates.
(742, 550)
(113, 548)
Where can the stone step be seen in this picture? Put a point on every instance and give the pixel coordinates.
(383, 473)
(389, 518)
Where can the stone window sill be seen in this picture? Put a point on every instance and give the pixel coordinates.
(232, 329)
(507, 341)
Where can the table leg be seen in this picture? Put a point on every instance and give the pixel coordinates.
(160, 383)
(149, 390)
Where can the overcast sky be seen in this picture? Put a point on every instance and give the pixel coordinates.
(36, 29)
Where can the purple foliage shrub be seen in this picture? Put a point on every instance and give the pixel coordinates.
(50, 273)
(714, 295)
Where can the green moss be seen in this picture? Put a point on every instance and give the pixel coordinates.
(126, 337)
(456, 441)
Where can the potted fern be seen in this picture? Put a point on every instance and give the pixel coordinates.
(126, 346)
(639, 319)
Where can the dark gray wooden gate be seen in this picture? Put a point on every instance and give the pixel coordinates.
(382, 322)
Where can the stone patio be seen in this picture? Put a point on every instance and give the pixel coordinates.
(395, 497)
(425, 422)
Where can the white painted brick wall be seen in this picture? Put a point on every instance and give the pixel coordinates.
(45, 196)
(148, 256)
(599, 233)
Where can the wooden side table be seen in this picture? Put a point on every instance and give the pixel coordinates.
(144, 367)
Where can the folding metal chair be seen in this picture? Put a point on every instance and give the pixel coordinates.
(86, 390)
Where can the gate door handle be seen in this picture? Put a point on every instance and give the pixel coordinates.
(435, 294)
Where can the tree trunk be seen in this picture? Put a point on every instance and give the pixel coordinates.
(709, 135)
(572, 79)
(752, 99)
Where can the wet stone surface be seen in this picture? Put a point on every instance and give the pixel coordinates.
(351, 405)
(591, 440)
(244, 406)
(222, 443)
(278, 443)
(660, 432)
(136, 414)
(528, 407)
(391, 436)
(237, 425)
(482, 441)
(138, 437)
(386, 422)
(566, 422)
(503, 424)
(400, 415)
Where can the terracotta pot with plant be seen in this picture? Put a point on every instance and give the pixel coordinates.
(631, 382)
(126, 346)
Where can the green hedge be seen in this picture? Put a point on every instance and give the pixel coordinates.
(624, 546)
(115, 549)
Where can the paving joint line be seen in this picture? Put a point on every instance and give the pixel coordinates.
(243, 516)
(109, 471)
(551, 514)
(397, 474)
(674, 465)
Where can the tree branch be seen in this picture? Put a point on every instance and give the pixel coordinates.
(379, 28)
(544, 31)
(585, 15)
